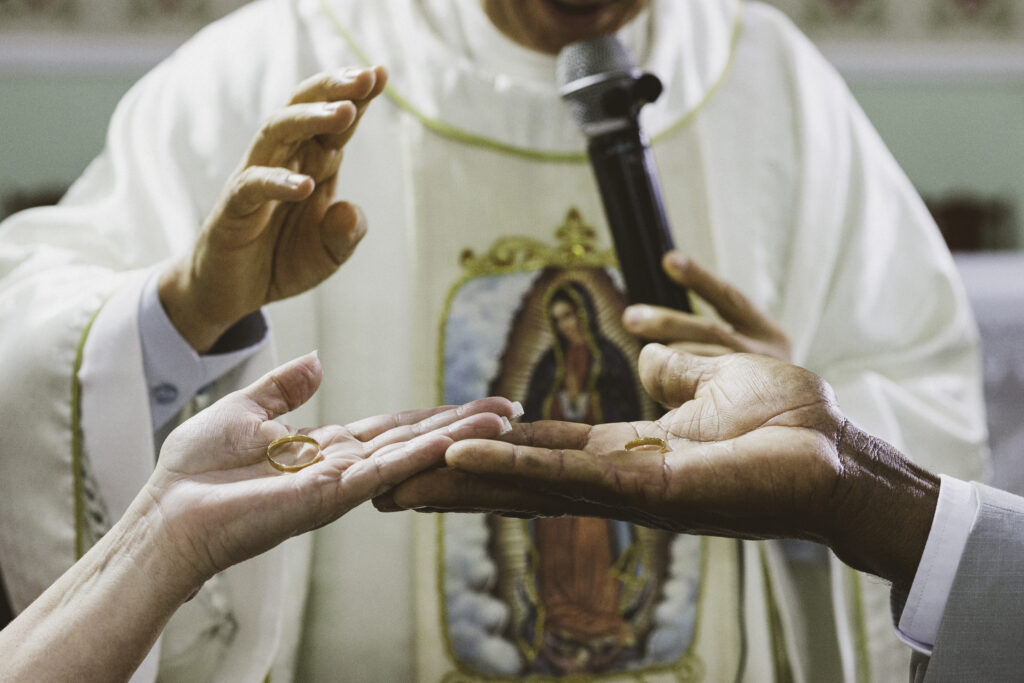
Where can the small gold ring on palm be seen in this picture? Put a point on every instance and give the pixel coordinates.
(276, 444)
(647, 443)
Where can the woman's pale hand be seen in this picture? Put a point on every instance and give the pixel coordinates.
(216, 500)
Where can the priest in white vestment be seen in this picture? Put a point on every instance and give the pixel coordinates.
(480, 206)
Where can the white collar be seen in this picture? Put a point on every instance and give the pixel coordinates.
(456, 72)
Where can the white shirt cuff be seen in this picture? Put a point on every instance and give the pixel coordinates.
(954, 517)
(174, 372)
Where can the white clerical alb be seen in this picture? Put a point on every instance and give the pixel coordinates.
(482, 210)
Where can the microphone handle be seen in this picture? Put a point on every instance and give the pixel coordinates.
(627, 179)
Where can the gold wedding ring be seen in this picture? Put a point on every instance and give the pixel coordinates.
(293, 438)
(646, 443)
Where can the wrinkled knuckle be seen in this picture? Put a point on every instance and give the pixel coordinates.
(304, 91)
(247, 177)
(269, 131)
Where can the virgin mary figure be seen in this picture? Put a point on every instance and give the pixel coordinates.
(584, 613)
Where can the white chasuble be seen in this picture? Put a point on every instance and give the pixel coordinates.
(488, 268)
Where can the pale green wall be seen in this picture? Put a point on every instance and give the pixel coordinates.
(953, 137)
(947, 136)
(51, 127)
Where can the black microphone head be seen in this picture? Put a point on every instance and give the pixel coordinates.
(594, 76)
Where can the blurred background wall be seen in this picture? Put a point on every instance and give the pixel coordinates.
(942, 80)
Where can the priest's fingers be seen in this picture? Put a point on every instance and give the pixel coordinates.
(259, 188)
(357, 85)
(666, 325)
(382, 430)
(341, 230)
(757, 332)
(288, 128)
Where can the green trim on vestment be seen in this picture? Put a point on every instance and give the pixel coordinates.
(449, 131)
(77, 438)
(860, 627)
(780, 653)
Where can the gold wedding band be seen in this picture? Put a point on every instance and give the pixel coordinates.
(293, 438)
(646, 441)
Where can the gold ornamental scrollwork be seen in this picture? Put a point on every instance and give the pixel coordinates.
(575, 247)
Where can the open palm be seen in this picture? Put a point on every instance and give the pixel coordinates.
(751, 453)
(219, 501)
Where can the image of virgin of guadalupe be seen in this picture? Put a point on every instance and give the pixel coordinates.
(583, 597)
(583, 377)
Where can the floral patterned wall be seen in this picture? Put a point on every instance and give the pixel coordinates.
(908, 20)
(899, 20)
(111, 16)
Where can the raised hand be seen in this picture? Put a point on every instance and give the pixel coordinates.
(755, 449)
(218, 500)
(276, 230)
(742, 328)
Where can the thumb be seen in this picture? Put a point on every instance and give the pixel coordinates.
(672, 377)
(287, 387)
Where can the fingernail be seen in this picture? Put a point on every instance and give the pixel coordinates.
(351, 73)
(295, 179)
(677, 260)
(517, 409)
(636, 314)
(506, 426)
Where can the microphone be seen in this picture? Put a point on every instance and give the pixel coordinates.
(604, 91)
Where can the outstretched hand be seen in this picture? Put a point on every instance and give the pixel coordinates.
(217, 500)
(756, 449)
(276, 227)
(213, 500)
(725, 438)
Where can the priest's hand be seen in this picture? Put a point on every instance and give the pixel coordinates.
(756, 448)
(215, 499)
(276, 230)
(742, 328)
